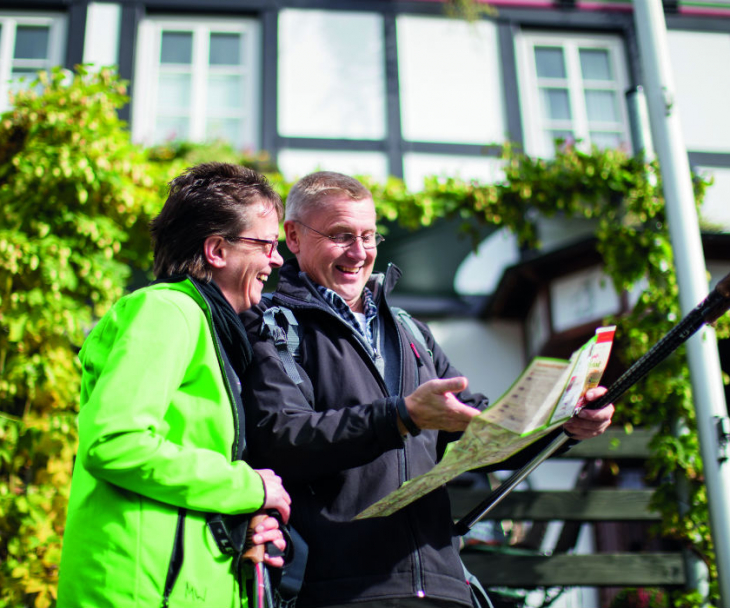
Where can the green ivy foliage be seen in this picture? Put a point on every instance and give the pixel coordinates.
(75, 200)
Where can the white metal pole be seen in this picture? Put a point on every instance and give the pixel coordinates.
(703, 359)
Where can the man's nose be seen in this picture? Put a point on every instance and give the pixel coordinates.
(357, 249)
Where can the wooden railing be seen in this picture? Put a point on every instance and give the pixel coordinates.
(508, 567)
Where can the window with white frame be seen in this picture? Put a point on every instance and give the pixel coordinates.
(463, 58)
(572, 87)
(331, 77)
(197, 79)
(28, 44)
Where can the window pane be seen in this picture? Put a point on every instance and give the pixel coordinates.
(228, 129)
(225, 49)
(16, 85)
(297, 163)
(601, 106)
(549, 62)
(605, 139)
(224, 92)
(174, 91)
(28, 73)
(102, 32)
(553, 136)
(595, 64)
(31, 42)
(321, 93)
(581, 297)
(468, 98)
(556, 104)
(417, 166)
(714, 207)
(702, 88)
(560, 134)
(551, 139)
(177, 47)
(170, 128)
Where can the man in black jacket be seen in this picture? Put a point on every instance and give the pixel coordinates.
(366, 409)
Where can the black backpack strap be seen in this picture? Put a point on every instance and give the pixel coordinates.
(287, 581)
(280, 324)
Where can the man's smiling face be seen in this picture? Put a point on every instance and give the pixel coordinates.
(344, 270)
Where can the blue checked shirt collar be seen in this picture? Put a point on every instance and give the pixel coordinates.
(343, 311)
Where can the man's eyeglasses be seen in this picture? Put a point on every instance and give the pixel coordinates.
(272, 245)
(346, 239)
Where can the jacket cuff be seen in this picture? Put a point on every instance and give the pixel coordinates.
(405, 417)
(386, 423)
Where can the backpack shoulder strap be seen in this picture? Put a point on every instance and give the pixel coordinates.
(407, 321)
(280, 324)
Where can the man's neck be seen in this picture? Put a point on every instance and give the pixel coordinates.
(357, 305)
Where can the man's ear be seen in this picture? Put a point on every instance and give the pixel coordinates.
(293, 235)
(215, 251)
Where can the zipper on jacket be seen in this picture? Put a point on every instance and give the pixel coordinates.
(176, 559)
(403, 460)
(417, 566)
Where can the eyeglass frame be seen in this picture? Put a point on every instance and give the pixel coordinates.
(273, 243)
(379, 238)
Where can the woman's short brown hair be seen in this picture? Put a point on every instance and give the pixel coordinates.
(208, 199)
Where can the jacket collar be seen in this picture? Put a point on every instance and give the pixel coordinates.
(293, 283)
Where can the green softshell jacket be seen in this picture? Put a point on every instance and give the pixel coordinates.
(157, 435)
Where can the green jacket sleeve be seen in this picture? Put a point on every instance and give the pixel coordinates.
(155, 417)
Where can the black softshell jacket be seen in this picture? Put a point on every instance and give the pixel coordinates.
(334, 441)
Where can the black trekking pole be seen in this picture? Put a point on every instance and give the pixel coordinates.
(707, 311)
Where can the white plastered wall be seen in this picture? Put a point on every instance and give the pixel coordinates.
(101, 41)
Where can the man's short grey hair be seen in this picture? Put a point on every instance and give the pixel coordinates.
(312, 192)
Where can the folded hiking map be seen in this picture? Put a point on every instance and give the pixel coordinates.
(545, 396)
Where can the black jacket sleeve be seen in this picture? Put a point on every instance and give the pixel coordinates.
(287, 432)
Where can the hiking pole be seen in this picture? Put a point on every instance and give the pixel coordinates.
(255, 554)
(707, 311)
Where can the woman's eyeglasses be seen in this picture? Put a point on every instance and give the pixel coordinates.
(273, 244)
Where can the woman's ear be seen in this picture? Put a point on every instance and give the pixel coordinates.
(291, 229)
(215, 251)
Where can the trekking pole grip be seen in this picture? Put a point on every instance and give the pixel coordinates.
(254, 553)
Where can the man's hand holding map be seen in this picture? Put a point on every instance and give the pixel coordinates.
(545, 396)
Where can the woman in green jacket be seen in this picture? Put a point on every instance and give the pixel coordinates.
(161, 446)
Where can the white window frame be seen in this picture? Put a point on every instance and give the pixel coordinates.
(145, 89)
(532, 115)
(9, 21)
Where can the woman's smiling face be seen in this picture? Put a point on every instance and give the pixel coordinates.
(246, 264)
